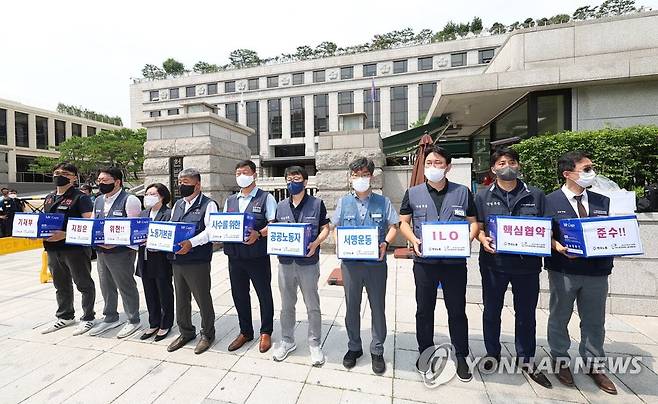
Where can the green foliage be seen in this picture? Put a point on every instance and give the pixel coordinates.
(173, 67)
(88, 114)
(153, 72)
(123, 148)
(476, 25)
(419, 122)
(244, 58)
(205, 67)
(628, 156)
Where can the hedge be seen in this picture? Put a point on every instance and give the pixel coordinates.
(628, 156)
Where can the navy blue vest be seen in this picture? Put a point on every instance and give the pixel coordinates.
(259, 248)
(375, 216)
(558, 207)
(196, 214)
(310, 214)
(118, 209)
(424, 210)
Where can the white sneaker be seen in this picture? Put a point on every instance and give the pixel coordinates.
(83, 327)
(58, 325)
(317, 356)
(128, 330)
(282, 350)
(104, 327)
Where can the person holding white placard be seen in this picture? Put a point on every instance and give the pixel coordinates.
(583, 281)
(509, 196)
(365, 208)
(439, 200)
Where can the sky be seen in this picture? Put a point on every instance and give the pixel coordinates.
(85, 52)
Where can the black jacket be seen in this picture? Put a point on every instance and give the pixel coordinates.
(157, 264)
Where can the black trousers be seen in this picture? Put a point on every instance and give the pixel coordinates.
(259, 272)
(193, 280)
(453, 282)
(159, 294)
(68, 266)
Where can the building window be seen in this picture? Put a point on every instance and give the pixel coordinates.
(485, 56)
(370, 70)
(400, 66)
(297, 78)
(76, 129)
(154, 95)
(232, 111)
(426, 93)
(190, 91)
(552, 114)
(273, 81)
(25, 174)
(513, 124)
(173, 111)
(3, 126)
(252, 84)
(345, 102)
(173, 93)
(154, 114)
(20, 123)
(41, 124)
(425, 63)
(320, 113)
(253, 121)
(212, 88)
(367, 108)
(229, 87)
(91, 131)
(458, 59)
(297, 128)
(60, 132)
(318, 76)
(346, 73)
(290, 150)
(274, 118)
(399, 119)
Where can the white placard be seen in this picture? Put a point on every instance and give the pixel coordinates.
(357, 243)
(25, 225)
(79, 231)
(226, 227)
(446, 240)
(288, 239)
(612, 237)
(161, 237)
(117, 232)
(523, 236)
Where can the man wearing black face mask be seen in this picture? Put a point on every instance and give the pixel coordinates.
(69, 264)
(509, 196)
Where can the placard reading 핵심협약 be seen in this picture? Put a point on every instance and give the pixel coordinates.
(524, 235)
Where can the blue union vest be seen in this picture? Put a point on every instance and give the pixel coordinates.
(453, 209)
(375, 216)
(118, 209)
(310, 214)
(259, 248)
(196, 215)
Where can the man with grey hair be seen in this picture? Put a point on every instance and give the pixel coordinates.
(191, 264)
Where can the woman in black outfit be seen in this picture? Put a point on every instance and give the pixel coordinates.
(155, 270)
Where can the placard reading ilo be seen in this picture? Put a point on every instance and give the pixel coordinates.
(288, 239)
(87, 232)
(230, 227)
(525, 235)
(125, 231)
(36, 225)
(445, 239)
(165, 236)
(601, 236)
(357, 243)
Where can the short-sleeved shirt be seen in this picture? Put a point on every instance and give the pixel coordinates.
(392, 216)
(438, 197)
(72, 203)
(243, 202)
(297, 210)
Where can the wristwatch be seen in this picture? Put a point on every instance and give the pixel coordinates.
(387, 243)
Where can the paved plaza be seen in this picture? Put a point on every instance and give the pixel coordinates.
(60, 367)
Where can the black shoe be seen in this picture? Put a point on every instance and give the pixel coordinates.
(537, 376)
(490, 362)
(161, 337)
(378, 364)
(463, 372)
(148, 335)
(349, 361)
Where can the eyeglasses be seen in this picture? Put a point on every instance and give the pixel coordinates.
(295, 179)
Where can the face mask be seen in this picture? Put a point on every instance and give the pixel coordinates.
(507, 173)
(244, 180)
(150, 201)
(361, 184)
(12, 196)
(61, 180)
(435, 174)
(186, 190)
(105, 188)
(586, 179)
(295, 187)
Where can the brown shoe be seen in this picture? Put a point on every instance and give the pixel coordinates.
(239, 342)
(565, 377)
(265, 343)
(178, 343)
(203, 345)
(603, 382)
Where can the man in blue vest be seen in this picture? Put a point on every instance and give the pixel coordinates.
(580, 280)
(191, 264)
(116, 264)
(509, 196)
(365, 208)
(439, 200)
(248, 261)
(302, 273)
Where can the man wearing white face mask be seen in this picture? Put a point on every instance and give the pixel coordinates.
(580, 280)
(444, 201)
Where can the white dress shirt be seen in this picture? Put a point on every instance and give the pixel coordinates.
(574, 204)
(201, 238)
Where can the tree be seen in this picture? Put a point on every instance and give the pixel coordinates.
(122, 148)
(85, 113)
(304, 52)
(423, 37)
(497, 29)
(463, 29)
(560, 19)
(584, 13)
(244, 58)
(325, 49)
(153, 72)
(616, 7)
(476, 25)
(204, 67)
(514, 26)
(419, 122)
(448, 33)
(529, 22)
(542, 22)
(173, 67)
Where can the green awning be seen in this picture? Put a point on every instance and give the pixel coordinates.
(405, 142)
